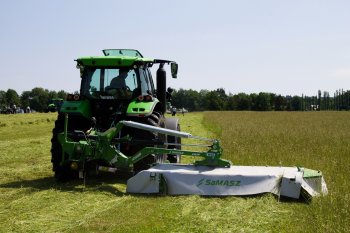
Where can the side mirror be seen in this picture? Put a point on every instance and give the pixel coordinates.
(174, 66)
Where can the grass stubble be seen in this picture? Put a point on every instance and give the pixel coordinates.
(31, 200)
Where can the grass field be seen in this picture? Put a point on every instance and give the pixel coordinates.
(31, 200)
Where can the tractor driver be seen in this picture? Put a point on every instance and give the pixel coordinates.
(119, 81)
(118, 87)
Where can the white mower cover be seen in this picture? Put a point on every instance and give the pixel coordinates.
(236, 180)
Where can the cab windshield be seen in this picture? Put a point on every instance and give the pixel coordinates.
(115, 83)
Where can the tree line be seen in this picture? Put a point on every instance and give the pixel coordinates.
(37, 99)
(218, 100)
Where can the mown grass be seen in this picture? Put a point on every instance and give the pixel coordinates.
(31, 200)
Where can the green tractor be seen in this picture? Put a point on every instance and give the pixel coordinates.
(115, 87)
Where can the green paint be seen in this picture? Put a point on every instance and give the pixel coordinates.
(309, 173)
(137, 108)
(77, 107)
(112, 61)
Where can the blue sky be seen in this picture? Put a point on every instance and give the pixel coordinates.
(284, 47)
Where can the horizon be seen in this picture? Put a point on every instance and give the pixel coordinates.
(331, 93)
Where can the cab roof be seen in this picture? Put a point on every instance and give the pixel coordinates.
(115, 57)
(122, 52)
(112, 61)
(118, 58)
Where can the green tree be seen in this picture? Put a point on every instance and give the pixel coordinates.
(3, 100)
(203, 102)
(52, 94)
(279, 103)
(213, 101)
(296, 103)
(319, 100)
(262, 102)
(191, 100)
(62, 94)
(243, 101)
(40, 99)
(25, 99)
(185, 99)
(12, 97)
(231, 102)
(253, 97)
(216, 100)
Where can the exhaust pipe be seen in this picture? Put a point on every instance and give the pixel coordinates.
(161, 86)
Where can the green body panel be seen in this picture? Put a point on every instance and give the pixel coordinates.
(137, 108)
(309, 173)
(112, 61)
(77, 107)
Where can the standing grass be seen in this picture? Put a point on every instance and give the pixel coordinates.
(316, 140)
(31, 200)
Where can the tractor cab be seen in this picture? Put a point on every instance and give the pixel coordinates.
(121, 74)
(118, 86)
(122, 83)
(110, 91)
